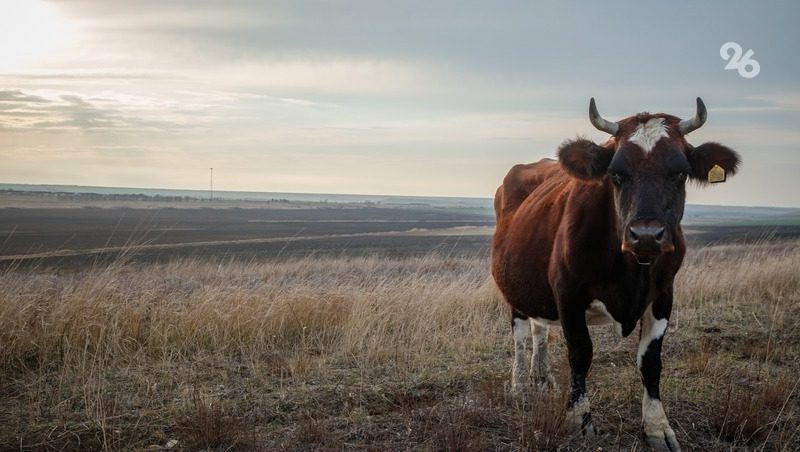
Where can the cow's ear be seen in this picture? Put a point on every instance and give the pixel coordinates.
(712, 162)
(584, 159)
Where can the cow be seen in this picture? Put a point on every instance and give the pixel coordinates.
(595, 237)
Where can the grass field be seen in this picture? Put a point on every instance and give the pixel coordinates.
(375, 353)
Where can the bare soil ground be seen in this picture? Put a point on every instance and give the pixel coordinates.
(83, 235)
(88, 235)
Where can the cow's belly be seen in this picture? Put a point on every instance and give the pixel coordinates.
(596, 314)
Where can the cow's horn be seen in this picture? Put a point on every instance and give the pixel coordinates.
(599, 122)
(688, 125)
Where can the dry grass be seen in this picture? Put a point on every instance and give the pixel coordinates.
(206, 426)
(374, 353)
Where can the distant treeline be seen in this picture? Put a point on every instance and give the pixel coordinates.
(102, 197)
(139, 197)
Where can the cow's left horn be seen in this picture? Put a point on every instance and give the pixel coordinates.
(599, 122)
(689, 125)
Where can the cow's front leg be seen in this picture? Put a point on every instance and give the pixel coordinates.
(579, 347)
(659, 434)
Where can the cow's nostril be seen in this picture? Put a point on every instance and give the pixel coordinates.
(638, 234)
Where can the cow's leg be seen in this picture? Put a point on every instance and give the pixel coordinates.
(579, 347)
(540, 361)
(520, 329)
(658, 432)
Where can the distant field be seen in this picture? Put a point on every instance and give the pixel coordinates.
(86, 230)
(162, 233)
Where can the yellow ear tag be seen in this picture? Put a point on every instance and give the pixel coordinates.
(716, 174)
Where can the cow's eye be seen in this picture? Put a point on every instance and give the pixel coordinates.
(617, 178)
(679, 178)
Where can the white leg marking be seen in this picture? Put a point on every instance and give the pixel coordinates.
(654, 419)
(658, 433)
(652, 329)
(540, 361)
(648, 134)
(519, 372)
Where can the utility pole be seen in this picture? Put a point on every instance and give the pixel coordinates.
(211, 186)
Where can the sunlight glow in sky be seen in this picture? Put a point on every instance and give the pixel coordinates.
(410, 98)
(31, 31)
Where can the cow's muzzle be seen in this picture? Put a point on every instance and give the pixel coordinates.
(647, 240)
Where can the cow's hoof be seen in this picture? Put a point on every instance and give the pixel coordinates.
(666, 443)
(584, 427)
(589, 431)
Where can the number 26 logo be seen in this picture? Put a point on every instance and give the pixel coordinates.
(745, 65)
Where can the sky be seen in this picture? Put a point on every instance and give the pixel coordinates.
(378, 97)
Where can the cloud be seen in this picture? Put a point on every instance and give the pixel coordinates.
(59, 111)
(149, 15)
(50, 76)
(321, 75)
(10, 97)
(782, 101)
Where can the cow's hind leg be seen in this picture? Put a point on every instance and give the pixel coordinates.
(540, 361)
(520, 330)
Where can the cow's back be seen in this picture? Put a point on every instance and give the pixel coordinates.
(528, 207)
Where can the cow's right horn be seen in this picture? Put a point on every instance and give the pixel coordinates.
(688, 125)
(599, 122)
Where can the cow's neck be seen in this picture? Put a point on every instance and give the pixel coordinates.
(635, 289)
(633, 280)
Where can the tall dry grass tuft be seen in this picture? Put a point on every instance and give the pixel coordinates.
(412, 316)
(745, 414)
(367, 307)
(730, 275)
(206, 426)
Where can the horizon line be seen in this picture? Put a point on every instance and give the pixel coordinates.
(338, 194)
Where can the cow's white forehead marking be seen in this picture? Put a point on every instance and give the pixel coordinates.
(648, 134)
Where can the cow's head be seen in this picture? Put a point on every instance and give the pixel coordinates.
(647, 160)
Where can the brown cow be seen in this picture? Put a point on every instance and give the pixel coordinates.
(596, 237)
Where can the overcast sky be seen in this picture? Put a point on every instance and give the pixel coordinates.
(413, 98)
